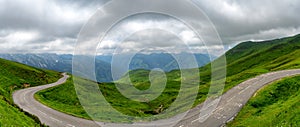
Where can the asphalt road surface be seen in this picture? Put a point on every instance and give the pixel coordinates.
(232, 101)
(229, 105)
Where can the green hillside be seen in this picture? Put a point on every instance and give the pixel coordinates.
(276, 105)
(252, 58)
(244, 61)
(14, 76)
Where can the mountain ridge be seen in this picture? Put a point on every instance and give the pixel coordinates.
(63, 62)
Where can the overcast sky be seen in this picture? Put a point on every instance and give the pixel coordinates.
(52, 26)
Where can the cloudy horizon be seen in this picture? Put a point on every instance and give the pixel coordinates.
(44, 26)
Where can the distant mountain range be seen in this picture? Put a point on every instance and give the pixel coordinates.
(63, 63)
(163, 61)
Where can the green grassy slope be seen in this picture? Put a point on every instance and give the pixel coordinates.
(63, 98)
(276, 105)
(253, 58)
(246, 60)
(13, 76)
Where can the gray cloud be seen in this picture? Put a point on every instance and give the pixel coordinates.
(39, 23)
(253, 20)
(53, 25)
(115, 12)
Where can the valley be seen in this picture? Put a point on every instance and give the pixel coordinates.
(245, 61)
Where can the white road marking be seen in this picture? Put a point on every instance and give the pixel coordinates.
(232, 118)
(42, 112)
(24, 98)
(199, 119)
(240, 105)
(195, 120)
(44, 106)
(245, 89)
(55, 120)
(219, 109)
(230, 99)
(239, 87)
(70, 125)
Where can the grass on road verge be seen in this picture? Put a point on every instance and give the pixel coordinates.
(11, 116)
(62, 98)
(276, 105)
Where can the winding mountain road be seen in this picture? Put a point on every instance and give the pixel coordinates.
(25, 99)
(229, 105)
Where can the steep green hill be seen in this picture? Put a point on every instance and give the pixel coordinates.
(244, 61)
(252, 58)
(15, 76)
